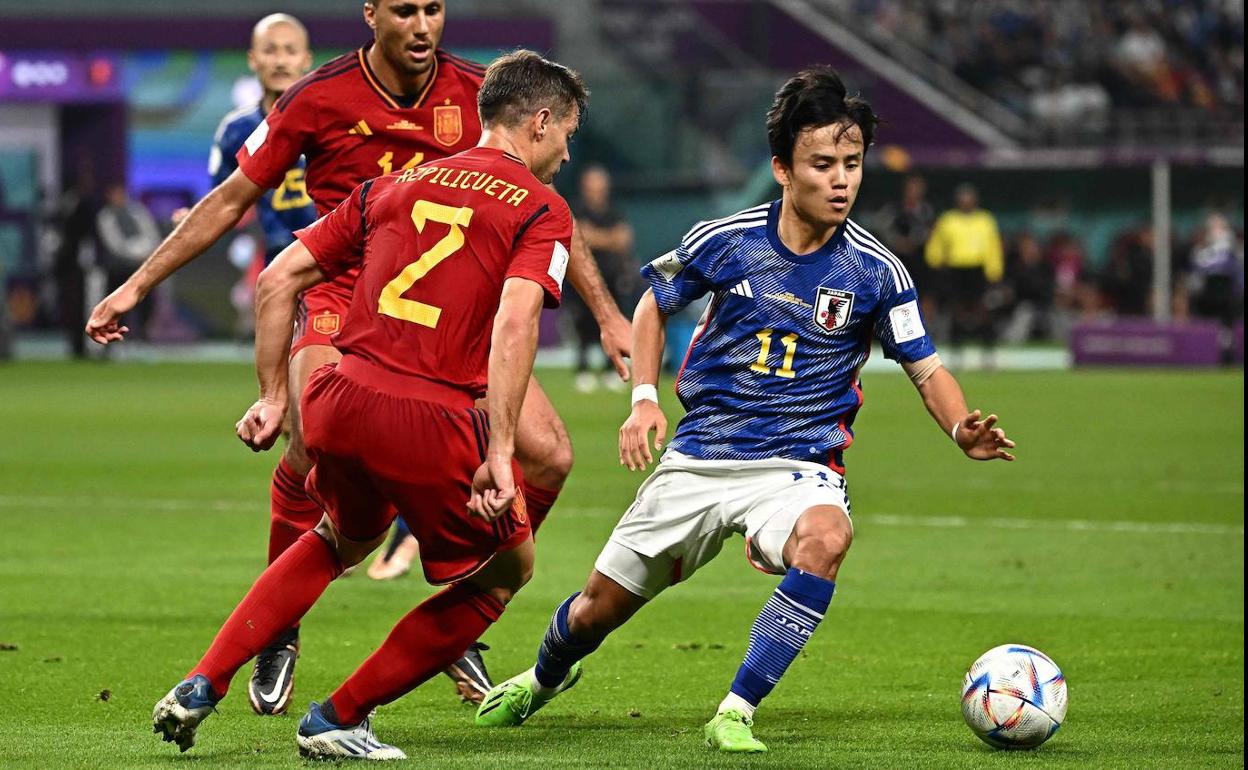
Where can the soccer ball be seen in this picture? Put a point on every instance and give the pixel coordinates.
(1014, 697)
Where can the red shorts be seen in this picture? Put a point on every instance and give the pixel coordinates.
(322, 312)
(417, 452)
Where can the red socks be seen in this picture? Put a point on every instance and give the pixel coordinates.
(291, 511)
(426, 641)
(279, 598)
(538, 502)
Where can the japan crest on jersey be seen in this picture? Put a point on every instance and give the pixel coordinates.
(833, 308)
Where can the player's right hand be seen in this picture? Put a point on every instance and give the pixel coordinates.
(493, 488)
(635, 435)
(261, 425)
(104, 325)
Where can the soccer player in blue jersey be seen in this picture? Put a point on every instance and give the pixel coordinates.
(279, 55)
(770, 385)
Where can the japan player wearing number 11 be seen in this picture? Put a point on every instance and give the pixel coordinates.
(456, 259)
(770, 387)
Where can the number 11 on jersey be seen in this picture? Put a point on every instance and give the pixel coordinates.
(790, 350)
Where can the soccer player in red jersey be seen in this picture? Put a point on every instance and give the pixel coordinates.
(389, 106)
(455, 261)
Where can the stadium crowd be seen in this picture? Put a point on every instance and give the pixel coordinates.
(1070, 62)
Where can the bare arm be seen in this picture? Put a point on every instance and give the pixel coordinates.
(649, 337)
(277, 293)
(585, 277)
(209, 220)
(512, 348)
(943, 398)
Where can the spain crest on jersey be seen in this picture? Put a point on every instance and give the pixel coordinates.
(326, 323)
(833, 308)
(448, 125)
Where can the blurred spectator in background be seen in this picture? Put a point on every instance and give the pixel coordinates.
(906, 225)
(1126, 281)
(1031, 283)
(75, 216)
(965, 253)
(128, 234)
(610, 237)
(1215, 278)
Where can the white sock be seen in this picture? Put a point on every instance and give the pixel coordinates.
(734, 702)
(537, 689)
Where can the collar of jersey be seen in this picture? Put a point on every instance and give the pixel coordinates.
(394, 101)
(773, 235)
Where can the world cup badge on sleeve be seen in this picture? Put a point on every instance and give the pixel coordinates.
(833, 308)
(448, 126)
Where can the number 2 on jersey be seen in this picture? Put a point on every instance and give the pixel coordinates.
(391, 301)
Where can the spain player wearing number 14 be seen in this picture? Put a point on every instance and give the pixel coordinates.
(393, 424)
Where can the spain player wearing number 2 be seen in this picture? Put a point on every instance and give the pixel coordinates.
(770, 385)
(391, 105)
(456, 260)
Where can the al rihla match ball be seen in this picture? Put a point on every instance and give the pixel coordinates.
(1014, 697)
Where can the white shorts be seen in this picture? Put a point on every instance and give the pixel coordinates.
(688, 507)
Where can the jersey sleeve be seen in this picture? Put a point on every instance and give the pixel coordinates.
(684, 274)
(543, 248)
(276, 144)
(336, 240)
(221, 161)
(899, 323)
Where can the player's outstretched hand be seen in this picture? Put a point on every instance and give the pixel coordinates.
(261, 425)
(635, 435)
(104, 325)
(493, 488)
(617, 342)
(980, 440)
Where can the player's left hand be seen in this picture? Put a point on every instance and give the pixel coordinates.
(617, 342)
(493, 488)
(980, 440)
(261, 425)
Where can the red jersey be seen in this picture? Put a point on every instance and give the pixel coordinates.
(349, 128)
(486, 215)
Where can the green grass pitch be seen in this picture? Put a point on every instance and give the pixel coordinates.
(131, 522)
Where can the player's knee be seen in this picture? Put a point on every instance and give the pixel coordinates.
(593, 615)
(350, 552)
(550, 468)
(822, 546)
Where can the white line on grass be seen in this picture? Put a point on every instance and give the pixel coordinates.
(866, 519)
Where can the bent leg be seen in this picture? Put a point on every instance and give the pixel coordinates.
(432, 636)
(292, 512)
(544, 451)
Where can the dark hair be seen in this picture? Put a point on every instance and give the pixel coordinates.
(520, 83)
(813, 98)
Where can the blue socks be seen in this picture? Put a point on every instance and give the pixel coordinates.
(560, 650)
(788, 619)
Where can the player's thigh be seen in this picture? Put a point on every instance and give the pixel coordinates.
(803, 509)
(353, 502)
(306, 361)
(542, 443)
(507, 572)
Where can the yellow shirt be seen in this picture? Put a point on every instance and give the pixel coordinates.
(963, 240)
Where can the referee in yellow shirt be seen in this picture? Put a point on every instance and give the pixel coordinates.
(965, 255)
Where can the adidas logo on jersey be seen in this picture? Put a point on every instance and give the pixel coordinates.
(361, 129)
(743, 290)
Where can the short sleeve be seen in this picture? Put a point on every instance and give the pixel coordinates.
(221, 160)
(543, 249)
(336, 240)
(684, 274)
(278, 142)
(899, 324)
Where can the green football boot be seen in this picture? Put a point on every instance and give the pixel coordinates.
(730, 731)
(514, 701)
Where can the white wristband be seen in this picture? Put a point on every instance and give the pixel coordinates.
(645, 393)
(954, 433)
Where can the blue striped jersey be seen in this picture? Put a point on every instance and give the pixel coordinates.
(280, 211)
(772, 370)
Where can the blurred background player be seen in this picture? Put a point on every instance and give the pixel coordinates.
(771, 390)
(393, 104)
(610, 237)
(965, 254)
(392, 424)
(127, 233)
